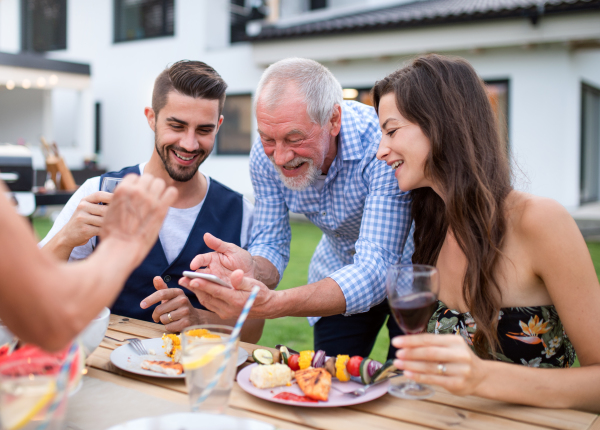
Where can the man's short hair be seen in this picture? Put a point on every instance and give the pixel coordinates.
(191, 78)
(320, 89)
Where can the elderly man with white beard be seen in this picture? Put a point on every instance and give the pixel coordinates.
(315, 156)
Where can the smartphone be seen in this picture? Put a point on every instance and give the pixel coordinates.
(207, 276)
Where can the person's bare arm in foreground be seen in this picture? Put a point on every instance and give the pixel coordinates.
(46, 302)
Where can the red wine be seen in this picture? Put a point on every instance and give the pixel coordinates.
(413, 311)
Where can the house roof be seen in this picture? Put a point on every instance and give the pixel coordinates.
(422, 13)
(38, 62)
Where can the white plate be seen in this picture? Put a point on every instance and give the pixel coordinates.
(336, 398)
(193, 421)
(124, 357)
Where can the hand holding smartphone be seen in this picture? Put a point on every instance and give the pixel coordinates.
(206, 276)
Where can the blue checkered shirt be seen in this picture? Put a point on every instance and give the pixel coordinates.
(364, 216)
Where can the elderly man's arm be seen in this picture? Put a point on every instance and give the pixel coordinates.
(48, 303)
(384, 230)
(352, 289)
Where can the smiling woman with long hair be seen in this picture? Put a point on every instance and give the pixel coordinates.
(517, 284)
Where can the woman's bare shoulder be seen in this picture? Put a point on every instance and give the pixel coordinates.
(537, 217)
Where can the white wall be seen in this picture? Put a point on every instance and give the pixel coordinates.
(22, 115)
(10, 40)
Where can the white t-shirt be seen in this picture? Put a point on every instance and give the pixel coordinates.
(173, 234)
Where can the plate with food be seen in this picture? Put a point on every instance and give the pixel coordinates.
(163, 359)
(312, 379)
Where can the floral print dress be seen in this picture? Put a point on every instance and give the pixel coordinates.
(532, 336)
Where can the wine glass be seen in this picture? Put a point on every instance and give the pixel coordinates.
(412, 295)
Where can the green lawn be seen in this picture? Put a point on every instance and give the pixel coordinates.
(295, 332)
(42, 226)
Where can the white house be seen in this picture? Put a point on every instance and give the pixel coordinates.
(540, 58)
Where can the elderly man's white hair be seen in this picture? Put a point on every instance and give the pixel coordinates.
(315, 82)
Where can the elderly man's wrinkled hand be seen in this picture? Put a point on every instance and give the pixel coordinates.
(137, 210)
(221, 263)
(228, 303)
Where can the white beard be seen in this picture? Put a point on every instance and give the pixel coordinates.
(299, 183)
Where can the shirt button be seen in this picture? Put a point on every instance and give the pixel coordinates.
(337, 235)
(323, 213)
(167, 278)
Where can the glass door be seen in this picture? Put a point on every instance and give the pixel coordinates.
(590, 145)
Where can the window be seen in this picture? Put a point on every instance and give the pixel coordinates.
(362, 95)
(590, 145)
(143, 19)
(317, 4)
(240, 13)
(44, 25)
(235, 134)
(498, 96)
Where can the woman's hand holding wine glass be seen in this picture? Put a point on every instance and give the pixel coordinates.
(412, 296)
(442, 360)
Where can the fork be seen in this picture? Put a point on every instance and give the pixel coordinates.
(359, 391)
(137, 346)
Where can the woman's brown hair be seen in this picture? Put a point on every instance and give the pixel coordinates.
(468, 162)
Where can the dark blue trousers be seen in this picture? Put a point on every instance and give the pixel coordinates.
(355, 334)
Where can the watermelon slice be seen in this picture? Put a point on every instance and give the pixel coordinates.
(4, 350)
(47, 363)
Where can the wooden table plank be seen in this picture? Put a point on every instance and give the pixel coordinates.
(320, 418)
(595, 425)
(438, 416)
(183, 399)
(566, 419)
(139, 385)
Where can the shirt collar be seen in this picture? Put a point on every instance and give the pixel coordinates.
(350, 140)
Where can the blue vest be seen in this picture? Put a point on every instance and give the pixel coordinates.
(221, 215)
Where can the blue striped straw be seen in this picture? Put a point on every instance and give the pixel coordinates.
(234, 335)
(62, 383)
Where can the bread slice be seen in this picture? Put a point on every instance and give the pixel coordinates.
(314, 383)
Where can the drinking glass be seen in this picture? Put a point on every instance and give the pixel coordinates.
(8, 341)
(201, 358)
(412, 294)
(109, 184)
(32, 393)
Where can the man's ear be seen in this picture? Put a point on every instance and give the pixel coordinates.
(149, 112)
(219, 124)
(336, 120)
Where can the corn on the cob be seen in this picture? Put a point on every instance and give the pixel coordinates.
(172, 346)
(271, 375)
(340, 368)
(305, 359)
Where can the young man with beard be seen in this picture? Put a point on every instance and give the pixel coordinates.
(315, 156)
(185, 116)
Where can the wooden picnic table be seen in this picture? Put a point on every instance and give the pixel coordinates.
(442, 411)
